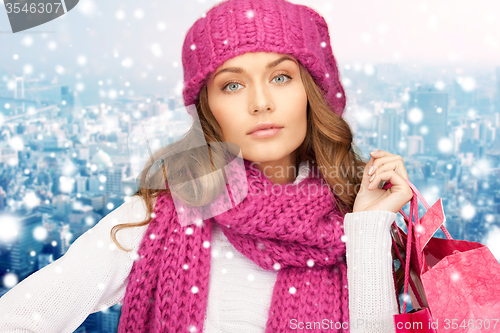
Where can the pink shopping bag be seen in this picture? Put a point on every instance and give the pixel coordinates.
(457, 282)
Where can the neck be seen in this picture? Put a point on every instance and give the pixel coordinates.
(282, 171)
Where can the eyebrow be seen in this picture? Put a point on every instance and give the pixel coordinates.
(240, 70)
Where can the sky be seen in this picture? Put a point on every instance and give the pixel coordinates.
(129, 41)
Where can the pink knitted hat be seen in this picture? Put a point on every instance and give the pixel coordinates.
(234, 27)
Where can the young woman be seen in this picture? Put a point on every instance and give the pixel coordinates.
(305, 249)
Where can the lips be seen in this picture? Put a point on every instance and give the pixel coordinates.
(264, 126)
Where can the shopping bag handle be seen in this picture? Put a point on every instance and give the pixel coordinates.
(411, 236)
(426, 205)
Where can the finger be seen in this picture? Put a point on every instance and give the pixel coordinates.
(379, 161)
(379, 153)
(399, 185)
(396, 165)
(365, 179)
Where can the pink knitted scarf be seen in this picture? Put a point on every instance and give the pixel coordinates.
(294, 228)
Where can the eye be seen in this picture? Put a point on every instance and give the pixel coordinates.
(234, 84)
(231, 84)
(283, 75)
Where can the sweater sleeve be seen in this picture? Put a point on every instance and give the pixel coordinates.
(372, 295)
(91, 276)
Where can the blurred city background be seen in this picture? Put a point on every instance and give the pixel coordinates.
(422, 80)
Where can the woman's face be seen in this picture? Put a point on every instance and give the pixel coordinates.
(260, 87)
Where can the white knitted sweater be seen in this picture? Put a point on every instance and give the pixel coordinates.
(92, 276)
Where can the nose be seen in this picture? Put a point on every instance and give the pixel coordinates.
(261, 99)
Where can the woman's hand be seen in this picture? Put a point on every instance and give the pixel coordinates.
(387, 167)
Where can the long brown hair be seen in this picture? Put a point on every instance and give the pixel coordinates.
(328, 145)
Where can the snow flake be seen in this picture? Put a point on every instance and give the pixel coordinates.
(138, 13)
(445, 145)
(58, 269)
(120, 15)
(189, 231)
(250, 14)
(152, 236)
(229, 255)
(323, 44)
(310, 263)
(277, 266)
(161, 26)
(343, 238)
(250, 277)
(10, 280)
(292, 290)
(193, 329)
(193, 47)
(468, 211)
(455, 276)
(206, 244)
(194, 289)
(185, 266)
(223, 271)
(415, 115)
(338, 95)
(127, 62)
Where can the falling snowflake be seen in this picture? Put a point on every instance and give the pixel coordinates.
(445, 145)
(10, 280)
(415, 115)
(10, 228)
(468, 211)
(120, 15)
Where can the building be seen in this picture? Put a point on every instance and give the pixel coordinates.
(114, 177)
(19, 256)
(433, 105)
